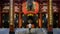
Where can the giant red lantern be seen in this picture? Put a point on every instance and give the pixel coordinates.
(34, 11)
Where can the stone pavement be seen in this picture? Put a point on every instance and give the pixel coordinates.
(26, 31)
(4, 31)
(56, 31)
(33, 31)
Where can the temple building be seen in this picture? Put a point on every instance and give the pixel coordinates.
(19, 15)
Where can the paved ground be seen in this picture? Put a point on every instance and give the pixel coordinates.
(56, 31)
(4, 31)
(33, 31)
(26, 31)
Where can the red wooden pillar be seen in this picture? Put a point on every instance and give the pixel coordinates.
(59, 19)
(59, 16)
(0, 17)
(40, 21)
(40, 16)
(20, 16)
